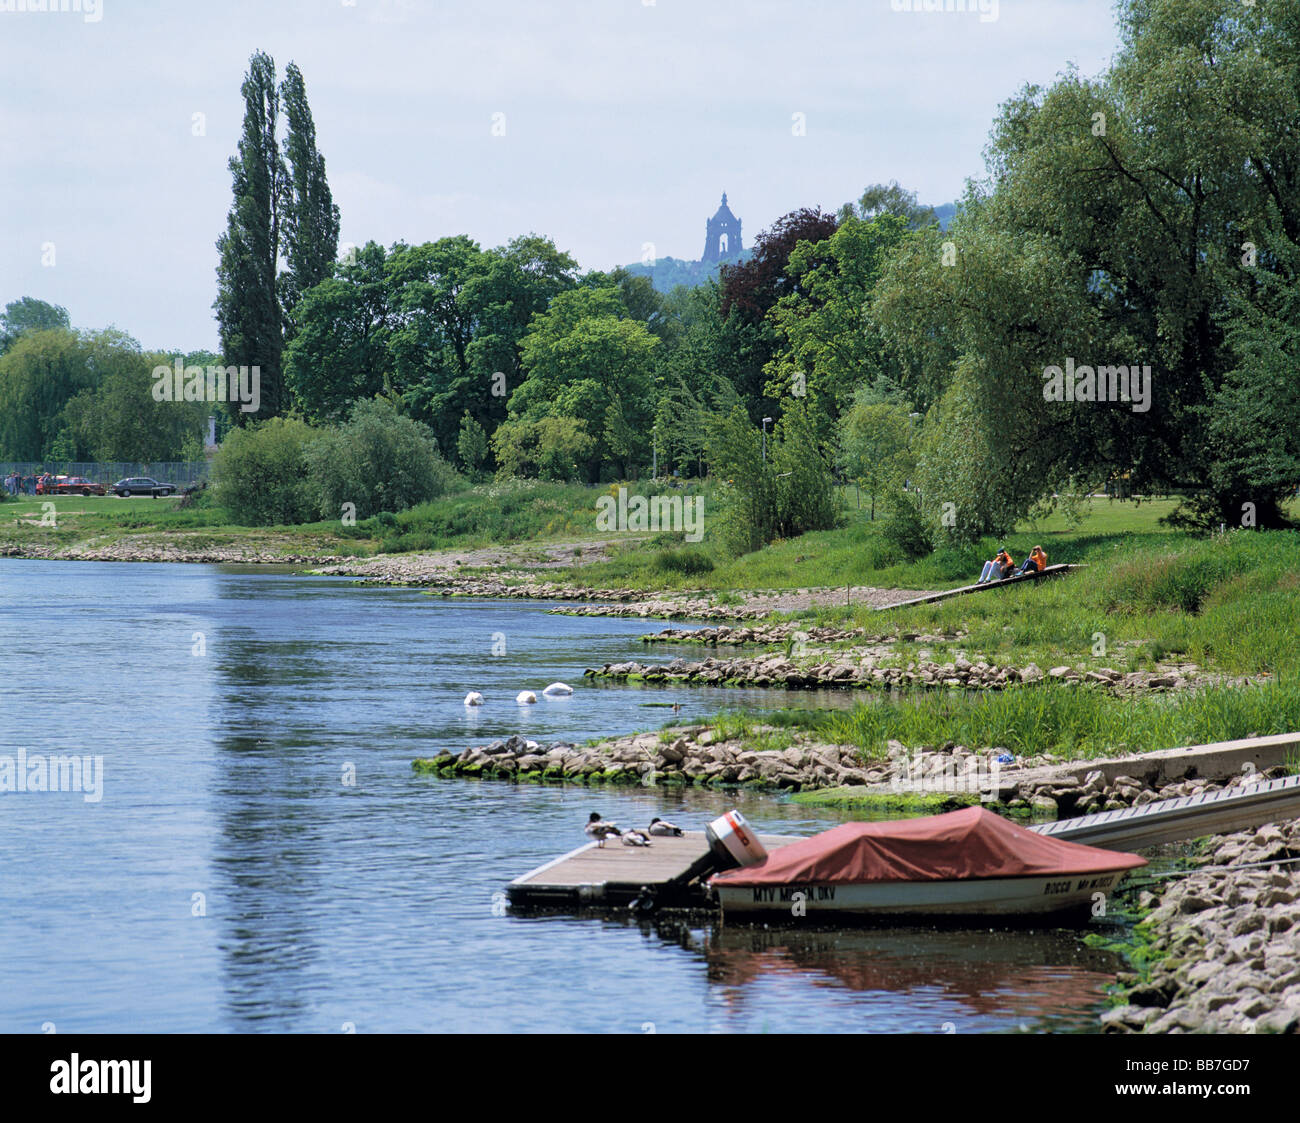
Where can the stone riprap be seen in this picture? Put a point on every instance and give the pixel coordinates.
(856, 670)
(1225, 941)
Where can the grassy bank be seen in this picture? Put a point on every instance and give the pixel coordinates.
(1066, 722)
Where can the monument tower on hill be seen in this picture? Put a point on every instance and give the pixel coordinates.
(723, 237)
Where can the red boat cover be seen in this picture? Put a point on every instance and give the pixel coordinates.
(968, 843)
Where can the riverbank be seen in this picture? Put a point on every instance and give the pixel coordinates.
(1221, 945)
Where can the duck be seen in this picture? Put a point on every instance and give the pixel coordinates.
(473, 698)
(600, 830)
(636, 838)
(558, 690)
(525, 697)
(664, 830)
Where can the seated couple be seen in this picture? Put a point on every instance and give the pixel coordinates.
(1003, 566)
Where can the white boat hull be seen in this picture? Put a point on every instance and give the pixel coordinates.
(1007, 896)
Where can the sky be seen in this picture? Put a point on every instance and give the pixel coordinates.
(611, 126)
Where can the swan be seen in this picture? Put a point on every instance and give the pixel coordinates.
(558, 690)
(473, 698)
(525, 697)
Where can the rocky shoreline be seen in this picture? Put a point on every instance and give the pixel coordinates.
(699, 755)
(171, 552)
(855, 669)
(1225, 942)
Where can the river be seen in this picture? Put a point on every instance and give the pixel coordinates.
(261, 856)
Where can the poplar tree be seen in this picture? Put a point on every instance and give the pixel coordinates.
(247, 304)
(311, 219)
(282, 211)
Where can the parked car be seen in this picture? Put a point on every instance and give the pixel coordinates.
(78, 485)
(142, 485)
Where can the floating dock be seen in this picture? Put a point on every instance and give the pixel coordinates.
(615, 874)
(930, 598)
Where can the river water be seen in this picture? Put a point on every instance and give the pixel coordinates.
(263, 858)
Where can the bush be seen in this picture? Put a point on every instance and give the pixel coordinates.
(379, 461)
(261, 474)
(905, 529)
(689, 563)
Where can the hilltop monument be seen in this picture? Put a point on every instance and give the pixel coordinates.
(723, 236)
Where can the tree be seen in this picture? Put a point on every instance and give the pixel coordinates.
(890, 199)
(260, 473)
(119, 419)
(805, 496)
(280, 210)
(340, 352)
(248, 308)
(749, 515)
(748, 291)
(584, 355)
(311, 219)
(471, 445)
(549, 448)
(29, 314)
(378, 460)
(876, 443)
(827, 342)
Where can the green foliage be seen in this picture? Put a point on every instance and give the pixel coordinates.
(586, 358)
(471, 445)
(343, 327)
(281, 208)
(549, 448)
(29, 314)
(876, 437)
(80, 395)
(379, 461)
(687, 562)
(905, 530)
(805, 493)
(261, 474)
(749, 515)
(1070, 723)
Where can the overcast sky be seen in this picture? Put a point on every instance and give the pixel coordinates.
(624, 120)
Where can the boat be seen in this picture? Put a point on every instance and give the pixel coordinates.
(967, 863)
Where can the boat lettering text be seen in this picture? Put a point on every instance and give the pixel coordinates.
(787, 892)
(1056, 887)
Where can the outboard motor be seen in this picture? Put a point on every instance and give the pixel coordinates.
(732, 843)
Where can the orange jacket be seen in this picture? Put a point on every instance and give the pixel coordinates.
(1039, 558)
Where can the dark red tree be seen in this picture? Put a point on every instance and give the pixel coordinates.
(754, 286)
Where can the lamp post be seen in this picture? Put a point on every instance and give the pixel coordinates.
(766, 422)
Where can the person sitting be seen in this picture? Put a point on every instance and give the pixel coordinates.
(1036, 562)
(1001, 566)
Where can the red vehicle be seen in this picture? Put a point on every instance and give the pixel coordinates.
(68, 485)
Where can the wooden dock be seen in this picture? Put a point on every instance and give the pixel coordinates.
(930, 598)
(616, 874)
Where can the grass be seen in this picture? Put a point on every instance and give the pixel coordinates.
(1069, 722)
(1226, 602)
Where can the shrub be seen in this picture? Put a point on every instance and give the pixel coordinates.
(261, 474)
(689, 563)
(379, 461)
(905, 529)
